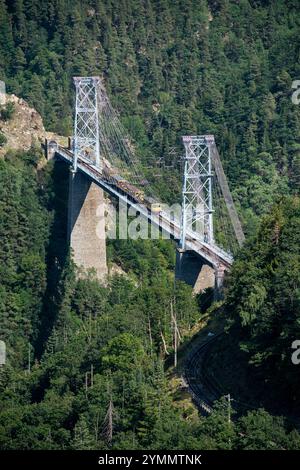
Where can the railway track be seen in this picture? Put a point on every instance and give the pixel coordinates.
(203, 388)
(203, 391)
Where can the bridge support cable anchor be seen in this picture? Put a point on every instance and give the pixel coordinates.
(222, 180)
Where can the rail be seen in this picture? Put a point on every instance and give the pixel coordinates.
(194, 242)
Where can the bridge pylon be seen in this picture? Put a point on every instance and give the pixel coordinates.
(86, 125)
(197, 204)
(197, 212)
(86, 221)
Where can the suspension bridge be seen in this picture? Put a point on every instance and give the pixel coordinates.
(103, 159)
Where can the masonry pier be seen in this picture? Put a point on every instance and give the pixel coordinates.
(86, 225)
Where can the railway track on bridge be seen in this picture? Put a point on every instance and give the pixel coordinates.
(212, 253)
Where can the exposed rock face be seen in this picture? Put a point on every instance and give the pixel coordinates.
(25, 128)
(115, 269)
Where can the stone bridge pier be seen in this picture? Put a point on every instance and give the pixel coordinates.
(86, 220)
(86, 225)
(196, 272)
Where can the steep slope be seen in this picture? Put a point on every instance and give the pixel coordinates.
(25, 128)
(171, 68)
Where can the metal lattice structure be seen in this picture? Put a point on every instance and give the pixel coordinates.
(197, 208)
(103, 152)
(86, 129)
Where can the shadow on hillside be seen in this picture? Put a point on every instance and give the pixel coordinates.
(57, 252)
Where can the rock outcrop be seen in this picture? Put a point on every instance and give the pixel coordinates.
(25, 128)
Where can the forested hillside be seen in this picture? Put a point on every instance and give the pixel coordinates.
(263, 299)
(81, 355)
(171, 68)
(85, 362)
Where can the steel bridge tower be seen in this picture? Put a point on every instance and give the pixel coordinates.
(86, 127)
(197, 206)
(86, 209)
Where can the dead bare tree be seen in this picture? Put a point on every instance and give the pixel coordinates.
(108, 424)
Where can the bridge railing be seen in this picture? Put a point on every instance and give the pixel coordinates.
(195, 241)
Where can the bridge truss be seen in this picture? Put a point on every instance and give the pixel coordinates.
(101, 147)
(197, 201)
(86, 125)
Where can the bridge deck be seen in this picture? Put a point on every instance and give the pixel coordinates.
(210, 252)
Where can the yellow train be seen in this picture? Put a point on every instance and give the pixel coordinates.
(131, 190)
(117, 180)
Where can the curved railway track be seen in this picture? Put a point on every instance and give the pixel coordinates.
(203, 388)
(204, 393)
